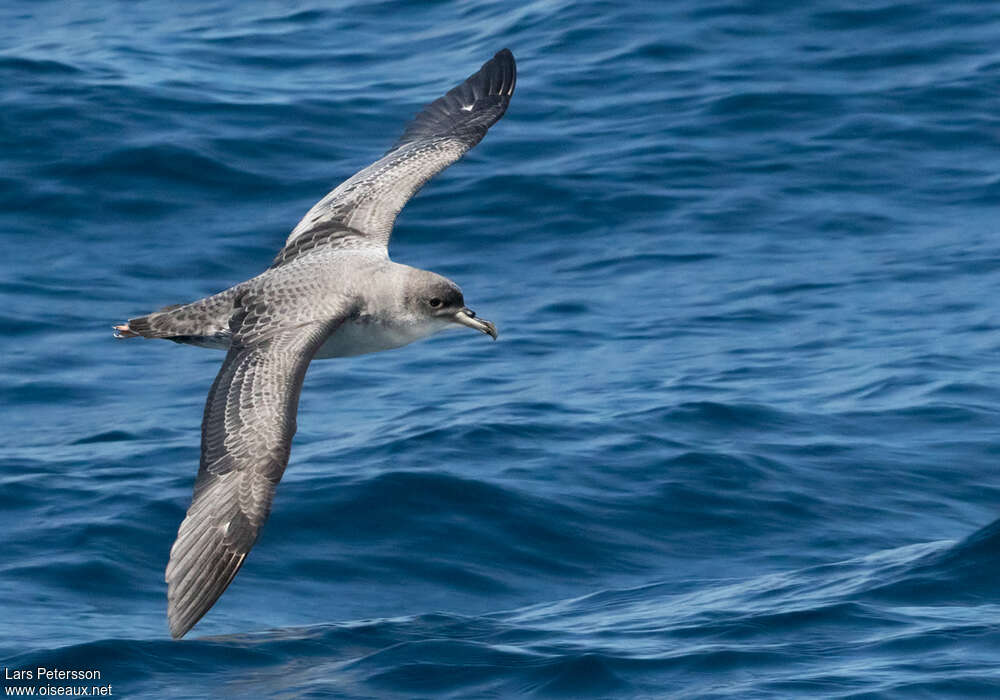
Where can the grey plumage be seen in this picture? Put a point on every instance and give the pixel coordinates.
(332, 291)
(446, 128)
(204, 322)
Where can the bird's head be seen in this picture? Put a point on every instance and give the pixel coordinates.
(437, 299)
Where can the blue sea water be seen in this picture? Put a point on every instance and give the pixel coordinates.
(738, 438)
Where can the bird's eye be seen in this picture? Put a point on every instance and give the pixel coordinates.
(435, 303)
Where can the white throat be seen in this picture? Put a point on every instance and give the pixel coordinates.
(372, 334)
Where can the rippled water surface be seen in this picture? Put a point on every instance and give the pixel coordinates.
(739, 435)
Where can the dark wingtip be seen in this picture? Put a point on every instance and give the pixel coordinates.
(506, 67)
(497, 77)
(468, 110)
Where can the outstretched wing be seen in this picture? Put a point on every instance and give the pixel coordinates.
(246, 436)
(369, 201)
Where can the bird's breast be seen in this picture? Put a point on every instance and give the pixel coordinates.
(366, 334)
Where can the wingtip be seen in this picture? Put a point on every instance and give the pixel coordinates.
(504, 54)
(178, 627)
(502, 73)
(178, 623)
(470, 108)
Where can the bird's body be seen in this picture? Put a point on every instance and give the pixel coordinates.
(332, 291)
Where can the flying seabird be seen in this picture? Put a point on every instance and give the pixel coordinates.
(332, 291)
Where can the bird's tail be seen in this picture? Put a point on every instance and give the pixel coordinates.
(204, 322)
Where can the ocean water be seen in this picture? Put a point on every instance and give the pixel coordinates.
(739, 435)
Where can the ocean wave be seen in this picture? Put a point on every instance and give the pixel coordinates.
(621, 642)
